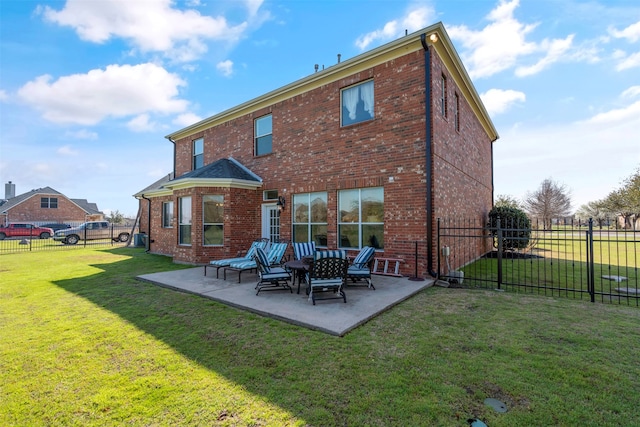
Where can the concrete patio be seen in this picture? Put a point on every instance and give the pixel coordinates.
(332, 316)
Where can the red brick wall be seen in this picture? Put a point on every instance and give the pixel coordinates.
(311, 152)
(462, 164)
(30, 211)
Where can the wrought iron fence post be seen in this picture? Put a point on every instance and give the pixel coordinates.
(591, 282)
(499, 233)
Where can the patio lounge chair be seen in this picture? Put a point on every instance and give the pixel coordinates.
(360, 268)
(274, 257)
(270, 278)
(220, 263)
(303, 249)
(328, 275)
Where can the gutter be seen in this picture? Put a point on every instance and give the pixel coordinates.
(428, 153)
(148, 243)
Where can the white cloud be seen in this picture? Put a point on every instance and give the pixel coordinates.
(81, 134)
(632, 92)
(533, 153)
(415, 19)
(503, 43)
(630, 113)
(626, 62)
(497, 101)
(225, 67)
(141, 123)
(67, 150)
(3, 95)
(187, 119)
(631, 33)
(556, 49)
(117, 91)
(150, 26)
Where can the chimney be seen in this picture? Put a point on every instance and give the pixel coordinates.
(9, 190)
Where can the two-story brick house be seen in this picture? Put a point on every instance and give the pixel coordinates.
(370, 151)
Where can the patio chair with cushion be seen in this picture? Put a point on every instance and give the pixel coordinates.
(270, 278)
(221, 263)
(274, 257)
(360, 268)
(301, 250)
(328, 274)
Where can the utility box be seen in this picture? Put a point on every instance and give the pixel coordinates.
(140, 240)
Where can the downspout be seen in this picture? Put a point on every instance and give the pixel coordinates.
(174, 155)
(148, 223)
(428, 153)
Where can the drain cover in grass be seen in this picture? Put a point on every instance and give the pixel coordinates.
(496, 404)
(474, 422)
(615, 278)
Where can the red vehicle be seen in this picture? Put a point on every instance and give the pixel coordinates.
(25, 230)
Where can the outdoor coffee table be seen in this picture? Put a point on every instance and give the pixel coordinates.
(299, 267)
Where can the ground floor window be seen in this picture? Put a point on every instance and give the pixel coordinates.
(361, 218)
(310, 218)
(184, 220)
(167, 214)
(212, 220)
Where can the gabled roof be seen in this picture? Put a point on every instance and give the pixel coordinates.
(14, 201)
(438, 40)
(90, 208)
(221, 173)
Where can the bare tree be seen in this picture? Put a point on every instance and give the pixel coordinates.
(550, 200)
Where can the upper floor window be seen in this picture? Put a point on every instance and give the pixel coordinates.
(361, 218)
(49, 202)
(263, 135)
(167, 215)
(310, 218)
(443, 96)
(212, 220)
(456, 112)
(357, 103)
(198, 153)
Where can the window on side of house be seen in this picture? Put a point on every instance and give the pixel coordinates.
(357, 103)
(184, 220)
(310, 218)
(443, 96)
(198, 153)
(361, 218)
(456, 112)
(212, 220)
(49, 202)
(263, 135)
(167, 215)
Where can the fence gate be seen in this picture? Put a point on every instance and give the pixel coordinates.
(592, 261)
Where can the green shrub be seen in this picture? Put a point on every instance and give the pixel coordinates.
(515, 225)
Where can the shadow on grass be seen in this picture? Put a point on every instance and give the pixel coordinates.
(265, 356)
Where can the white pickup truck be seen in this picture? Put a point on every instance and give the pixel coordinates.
(93, 230)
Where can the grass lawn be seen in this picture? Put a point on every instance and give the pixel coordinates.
(84, 343)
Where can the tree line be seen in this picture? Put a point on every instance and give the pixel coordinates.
(553, 200)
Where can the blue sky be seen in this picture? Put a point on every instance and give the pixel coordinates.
(89, 89)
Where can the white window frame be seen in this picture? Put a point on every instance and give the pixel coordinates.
(167, 214)
(211, 198)
(185, 220)
(357, 103)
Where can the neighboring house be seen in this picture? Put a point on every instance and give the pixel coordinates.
(370, 151)
(46, 205)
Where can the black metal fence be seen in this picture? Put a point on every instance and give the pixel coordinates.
(564, 259)
(114, 236)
